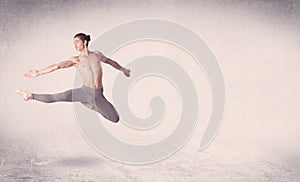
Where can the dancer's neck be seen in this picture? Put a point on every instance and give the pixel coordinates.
(83, 52)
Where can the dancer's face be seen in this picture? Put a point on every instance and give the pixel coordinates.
(79, 45)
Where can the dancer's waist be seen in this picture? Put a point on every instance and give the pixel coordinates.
(96, 89)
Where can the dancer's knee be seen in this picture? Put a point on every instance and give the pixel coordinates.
(114, 119)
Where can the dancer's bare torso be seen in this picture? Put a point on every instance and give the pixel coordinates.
(90, 69)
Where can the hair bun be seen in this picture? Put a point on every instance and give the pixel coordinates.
(88, 37)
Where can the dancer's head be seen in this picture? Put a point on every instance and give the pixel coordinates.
(81, 41)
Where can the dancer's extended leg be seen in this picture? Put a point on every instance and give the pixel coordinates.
(91, 98)
(72, 95)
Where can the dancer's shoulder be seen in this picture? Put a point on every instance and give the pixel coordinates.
(101, 56)
(74, 59)
(99, 53)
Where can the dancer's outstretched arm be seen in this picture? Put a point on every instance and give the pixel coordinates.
(64, 64)
(114, 64)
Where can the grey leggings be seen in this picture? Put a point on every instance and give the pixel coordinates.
(83, 94)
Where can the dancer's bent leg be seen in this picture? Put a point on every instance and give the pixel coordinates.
(105, 108)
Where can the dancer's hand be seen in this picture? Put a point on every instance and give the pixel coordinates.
(31, 73)
(126, 72)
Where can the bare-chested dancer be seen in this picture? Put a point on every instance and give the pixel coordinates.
(91, 93)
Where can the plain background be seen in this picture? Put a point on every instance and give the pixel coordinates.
(256, 44)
